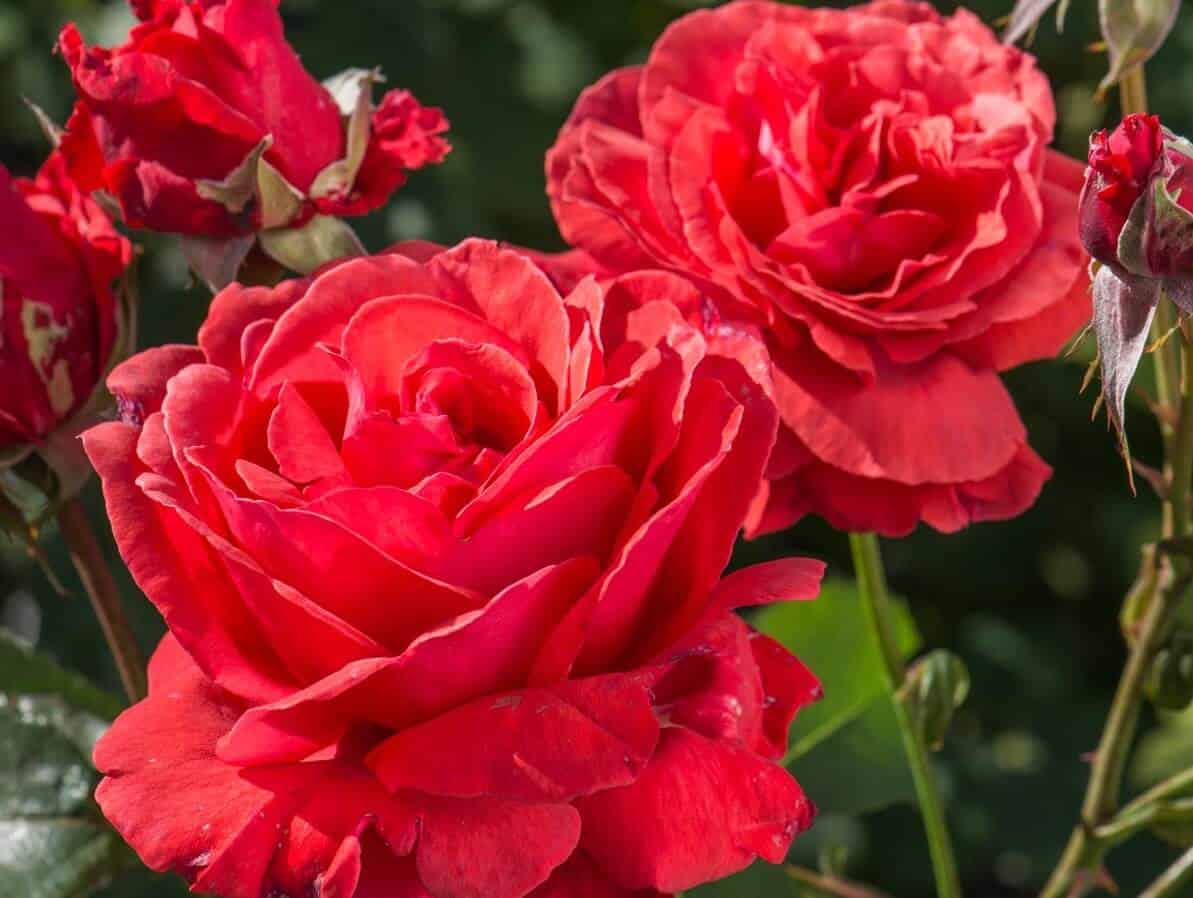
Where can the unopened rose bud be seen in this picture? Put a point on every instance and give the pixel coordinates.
(1120, 168)
(1136, 218)
(1136, 207)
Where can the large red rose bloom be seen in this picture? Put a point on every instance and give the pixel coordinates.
(200, 86)
(870, 189)
(59, 258)
(440, 552)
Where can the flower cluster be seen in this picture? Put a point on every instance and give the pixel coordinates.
(440, 534)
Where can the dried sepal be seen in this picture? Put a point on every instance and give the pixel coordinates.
(216, 261)
(239, 188)
(1124, 306)
(1025, 17)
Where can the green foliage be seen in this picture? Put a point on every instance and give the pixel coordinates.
(57, 858)
(832, 637)
(23, 671)
(53, 843)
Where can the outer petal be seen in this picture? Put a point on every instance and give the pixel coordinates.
(486, 652)
(893, 509)
(241, 834)
(701, 811)
(172, 565)
(548, 744)
(937, 422)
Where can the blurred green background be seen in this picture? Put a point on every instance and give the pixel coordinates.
(1031, 605)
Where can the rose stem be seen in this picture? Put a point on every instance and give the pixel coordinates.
(1173, 880)
(105, 598)
(823, 884)
(1085, 850)
(867, 563)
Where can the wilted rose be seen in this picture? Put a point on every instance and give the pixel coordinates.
(205, 123)
(871, 190)
(59, 314)
(440, 553)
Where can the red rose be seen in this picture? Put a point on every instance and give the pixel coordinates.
(439, 550)
(870, 188)
(1137, 202)
(1120, 169)
(1136, 216)
(59, 257)
(199, 122)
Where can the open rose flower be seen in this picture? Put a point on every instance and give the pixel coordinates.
(870, 189)
(440, 554)
(205, 123)
(1137, 220)
(59, 315)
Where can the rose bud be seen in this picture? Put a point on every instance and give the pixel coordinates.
(871, 190)
(1137, 219)
(1119, 172)
(60, 319)
(440, 552)
(205, 123)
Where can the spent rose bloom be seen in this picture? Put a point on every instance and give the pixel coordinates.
(205, 123)
(59, 314)
(1137, 220)
(870, 189)
(440, 552)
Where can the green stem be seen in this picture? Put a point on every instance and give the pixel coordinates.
(1165, 789)
(832, 886)
(1174, 382)
(1172, 883)
(101, 589)
(867, 562)
(1124, 825)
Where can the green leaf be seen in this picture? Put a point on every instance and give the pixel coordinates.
(833, 637)
(57, 858)
(44, 751)
(23, 671)
(862, 767)
(759, 880)
(1163, 752)
(49, 848)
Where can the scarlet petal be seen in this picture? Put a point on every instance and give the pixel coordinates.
(937, 422)
(581, 878)
(234, 309)
(171, 564)
(482, 653)
(489, 848)
(782, 580)
(702, 810)
(292, 352)
(139, 383)
(547, 744)
(238, 833)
